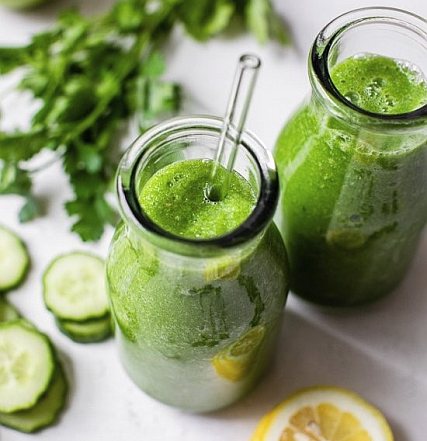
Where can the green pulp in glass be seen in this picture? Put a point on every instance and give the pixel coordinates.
(175, 198)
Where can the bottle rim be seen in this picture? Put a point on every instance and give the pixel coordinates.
(329, 35)
(181, 127)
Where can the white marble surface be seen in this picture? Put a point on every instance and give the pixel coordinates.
(380, 351)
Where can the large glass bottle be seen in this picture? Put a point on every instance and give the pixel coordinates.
(354, 182)
(196, 319)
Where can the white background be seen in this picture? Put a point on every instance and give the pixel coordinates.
(380, 352)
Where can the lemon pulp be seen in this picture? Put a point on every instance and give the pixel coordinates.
(324, 414)
(235, 361)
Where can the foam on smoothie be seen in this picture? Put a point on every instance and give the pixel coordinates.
(175, 199)
(380, 84)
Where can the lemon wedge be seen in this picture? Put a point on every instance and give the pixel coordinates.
(236, 361)
(323, 413)
(226, 268)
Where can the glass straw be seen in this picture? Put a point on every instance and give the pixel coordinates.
(235, 118)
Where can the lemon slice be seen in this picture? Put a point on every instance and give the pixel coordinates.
(323, 414)
(227, 268)
(236, 361)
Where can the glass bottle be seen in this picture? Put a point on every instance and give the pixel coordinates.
(354, 199)
(196, 320)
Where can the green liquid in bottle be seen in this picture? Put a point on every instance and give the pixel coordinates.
(196, 332)
(354, 200)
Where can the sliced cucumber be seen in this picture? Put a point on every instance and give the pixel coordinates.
(7, 311)
(91, 331)
(74, 287)
(45, 412)
(27, 364)
(14, 260)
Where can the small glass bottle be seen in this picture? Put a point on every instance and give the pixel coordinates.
(196, 320)
(354, 199)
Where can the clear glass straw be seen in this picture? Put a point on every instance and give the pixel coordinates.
(235, 117)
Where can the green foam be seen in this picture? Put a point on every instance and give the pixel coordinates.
(175, 199)
(380, 84)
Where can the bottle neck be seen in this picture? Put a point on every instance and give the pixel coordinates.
(195, 138)
(381, 31)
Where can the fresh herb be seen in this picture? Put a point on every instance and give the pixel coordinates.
(90, 76)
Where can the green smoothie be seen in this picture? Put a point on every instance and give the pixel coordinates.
(175, 198)
(196, 332)
(354, 200)
(380, 84)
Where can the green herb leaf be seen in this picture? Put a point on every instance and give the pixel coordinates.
(154, 66)
(89, 228)
(264, 23)
(205, 18)
(21, 146)
(91, 215)
(30, 210)
(155, 99)
(91, 75)
(91, 160)
(13, 180)
(11, 58)
(279, 30)
(129, 16)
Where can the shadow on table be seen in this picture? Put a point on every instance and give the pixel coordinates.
(395, 326)
(67, 365)
(309, 355)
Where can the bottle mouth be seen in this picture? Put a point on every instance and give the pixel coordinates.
(179, 131)
(409, 28)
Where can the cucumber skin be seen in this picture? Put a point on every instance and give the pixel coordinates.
(57, 313)
(29, 327)
(83, 336)
(25, 269)
(5, 418)
(19, 281)
(8, 312)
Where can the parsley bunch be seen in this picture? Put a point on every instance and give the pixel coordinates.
(90, 76)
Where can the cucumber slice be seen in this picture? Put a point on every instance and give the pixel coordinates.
(7, 311)
(74, 287)
(14, 260)
(45, 412)
(91, 331)
(27, 364)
